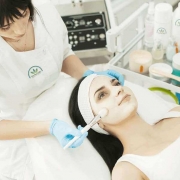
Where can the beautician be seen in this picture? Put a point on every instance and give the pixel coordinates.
(34, 49)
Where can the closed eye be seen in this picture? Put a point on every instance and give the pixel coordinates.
(5, 29)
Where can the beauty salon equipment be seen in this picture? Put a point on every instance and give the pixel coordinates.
(87, 22)
(102, 113)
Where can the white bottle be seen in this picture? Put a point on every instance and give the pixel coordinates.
(149, 26)
(176, 25)
(162, 23)
(170, 50)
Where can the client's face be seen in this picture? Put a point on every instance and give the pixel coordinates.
(108, 93)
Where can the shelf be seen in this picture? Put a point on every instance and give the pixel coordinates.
(120, 63)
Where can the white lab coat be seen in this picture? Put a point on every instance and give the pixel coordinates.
(23, 77)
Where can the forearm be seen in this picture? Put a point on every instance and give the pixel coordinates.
(73, 66)
(23, 129)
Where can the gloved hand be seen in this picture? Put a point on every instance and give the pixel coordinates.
(64, 133)
(109, 72)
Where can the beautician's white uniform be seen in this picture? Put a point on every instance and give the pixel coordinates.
(24, 76)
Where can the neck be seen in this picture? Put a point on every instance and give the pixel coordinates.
(133, 133)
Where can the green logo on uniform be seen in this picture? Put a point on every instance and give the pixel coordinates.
(177, 23)
(34, 71)
(161, 31)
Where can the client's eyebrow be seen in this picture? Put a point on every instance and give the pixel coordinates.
(99, 89)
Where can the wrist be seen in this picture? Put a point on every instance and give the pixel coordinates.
(49, 126)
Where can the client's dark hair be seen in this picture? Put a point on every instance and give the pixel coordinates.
(108, 146)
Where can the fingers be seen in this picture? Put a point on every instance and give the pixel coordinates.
(74, 132)
(65, 133)
(117, 76)
(65, 140)
(79, 141)
(88, 72)
(69, 135)
(80, 127)
(121, 80)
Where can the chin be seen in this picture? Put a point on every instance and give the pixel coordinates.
(131, 108)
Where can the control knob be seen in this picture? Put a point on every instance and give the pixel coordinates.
(98, 21)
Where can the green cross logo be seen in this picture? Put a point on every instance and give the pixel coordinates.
(161, 31)
(34, 71)
(177, 23)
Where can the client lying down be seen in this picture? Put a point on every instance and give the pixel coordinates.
(131, 148)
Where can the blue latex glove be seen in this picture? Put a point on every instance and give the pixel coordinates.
(109, 72)
(64, 133)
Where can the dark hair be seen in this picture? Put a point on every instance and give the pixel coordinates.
(9, 9)
(108, 146)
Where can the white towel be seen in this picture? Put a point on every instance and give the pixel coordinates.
(151, 107)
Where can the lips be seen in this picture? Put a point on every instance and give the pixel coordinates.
(124, 97)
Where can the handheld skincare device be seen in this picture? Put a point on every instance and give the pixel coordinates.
(102, 113)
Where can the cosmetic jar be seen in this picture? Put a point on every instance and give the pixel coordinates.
(140, 61)
(176, 68)
(162, 67)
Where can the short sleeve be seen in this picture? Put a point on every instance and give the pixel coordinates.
(67, 47)
(0, 115)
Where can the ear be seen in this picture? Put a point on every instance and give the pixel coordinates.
(101, 125)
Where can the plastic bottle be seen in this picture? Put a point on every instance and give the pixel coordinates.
(149, 26)
(176, 25)
(157, 51)
(176, 68)
(170, 50)
(162, 23)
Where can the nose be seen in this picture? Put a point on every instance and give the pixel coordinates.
(117, 90)
(19, 28)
